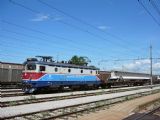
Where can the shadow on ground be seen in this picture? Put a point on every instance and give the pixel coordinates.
(142, 116)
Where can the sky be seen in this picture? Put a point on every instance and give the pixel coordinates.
(102, 30)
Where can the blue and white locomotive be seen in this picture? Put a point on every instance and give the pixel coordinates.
(46, 74)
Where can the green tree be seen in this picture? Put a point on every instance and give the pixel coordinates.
(78, 60)
(74, 60)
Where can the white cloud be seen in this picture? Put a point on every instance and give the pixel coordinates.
(103, 27)
(44, 17)
(142, 66)
(41, 17)
(137, 64)
(156, 67)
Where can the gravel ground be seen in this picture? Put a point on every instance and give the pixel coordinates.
(15, 98)
(119, 111)
(6, 90)
(22, 109)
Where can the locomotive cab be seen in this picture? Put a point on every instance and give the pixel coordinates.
(31, 74)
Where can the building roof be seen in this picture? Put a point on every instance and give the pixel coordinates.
(10, 63)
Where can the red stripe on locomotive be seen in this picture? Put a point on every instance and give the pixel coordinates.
(31, 75)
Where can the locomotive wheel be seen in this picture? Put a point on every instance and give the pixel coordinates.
(104, 86)
(108, 85)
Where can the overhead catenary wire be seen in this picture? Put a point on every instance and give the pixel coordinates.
(126, 64)
(145, 8)
(42, 40)
(131, 59)
(73, 26)
(27, 47)
(19, 57)
(45, 34)
(86, 23)
(155, 6)
(108, 60)
(28, 50)
(80, 20)
(34, 30)
(32, 46)
(48, 35)
(51, 35)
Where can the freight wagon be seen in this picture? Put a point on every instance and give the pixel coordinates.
(10, 73)
(115, 78)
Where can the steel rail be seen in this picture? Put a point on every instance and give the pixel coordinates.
(78, 108)
(33, 99)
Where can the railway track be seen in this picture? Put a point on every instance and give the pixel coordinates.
(14, 101)
(19, 92)
(150, 115)
(153, 114)
(11, 92)
(70, 107)
(147, 111)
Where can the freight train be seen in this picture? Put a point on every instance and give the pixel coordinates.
(46, 74)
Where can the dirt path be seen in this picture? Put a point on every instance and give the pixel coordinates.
(119, 111)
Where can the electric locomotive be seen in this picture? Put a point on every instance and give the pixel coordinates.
(46, 74)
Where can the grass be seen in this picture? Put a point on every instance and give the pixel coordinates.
(12, 103)
(29, 99)
(45, 114)
(126, 98)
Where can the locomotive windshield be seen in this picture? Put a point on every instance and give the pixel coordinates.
(31, 67)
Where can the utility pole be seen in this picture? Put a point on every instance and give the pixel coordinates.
(151, 65)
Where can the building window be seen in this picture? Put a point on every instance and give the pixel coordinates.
(81, 71)
(69, 70)
(42, 68)
(56, 69)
